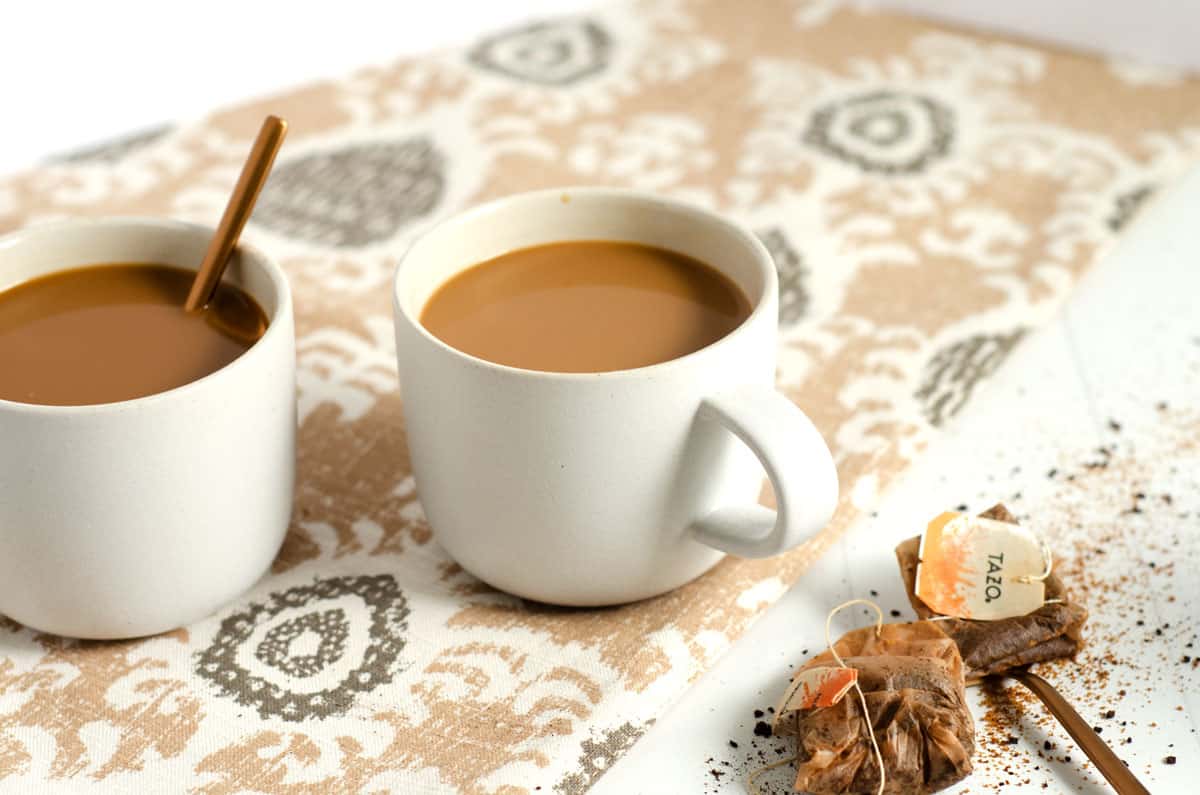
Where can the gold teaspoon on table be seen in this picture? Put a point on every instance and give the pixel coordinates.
(1102, 756)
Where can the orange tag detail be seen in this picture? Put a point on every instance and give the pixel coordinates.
(822, 686)
(980, 568)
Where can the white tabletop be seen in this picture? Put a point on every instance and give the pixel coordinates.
(1120, 369)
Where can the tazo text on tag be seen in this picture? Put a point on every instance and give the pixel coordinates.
(980, 568)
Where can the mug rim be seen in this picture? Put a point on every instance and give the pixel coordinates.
(282, 310)
(693, 211)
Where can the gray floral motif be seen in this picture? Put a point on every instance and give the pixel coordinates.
(1127, 206)
(302, 663)
(793, 274)
(954, 371)
(116, 149)
(554, 53)
(330, 627)
(598, 755)
(884, 132)
(354, 196)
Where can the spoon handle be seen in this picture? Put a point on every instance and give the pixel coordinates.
(237, 211)
(1118, 775)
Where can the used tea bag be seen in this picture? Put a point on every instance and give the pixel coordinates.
(988, 647)
(911, 678)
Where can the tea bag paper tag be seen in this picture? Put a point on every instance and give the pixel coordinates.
(822, 686)
(980, 568)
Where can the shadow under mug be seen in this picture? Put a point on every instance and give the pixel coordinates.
(600, 488)
(131, 518)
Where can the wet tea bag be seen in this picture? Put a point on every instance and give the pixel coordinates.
(1050, 627)
(911, 680)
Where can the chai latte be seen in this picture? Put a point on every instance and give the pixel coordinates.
(585, 307)
(106, 333)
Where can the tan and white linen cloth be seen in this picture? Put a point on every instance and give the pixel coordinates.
(928, 195)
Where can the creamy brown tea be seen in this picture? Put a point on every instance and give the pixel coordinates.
(105, 333)
(585, 307)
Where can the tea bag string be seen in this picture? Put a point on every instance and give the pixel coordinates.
(1054, 601)
(1028, 578)
(752, 781)
(862, 699)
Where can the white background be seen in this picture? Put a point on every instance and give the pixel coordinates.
(76, 73)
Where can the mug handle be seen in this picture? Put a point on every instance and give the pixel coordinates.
(798, 464)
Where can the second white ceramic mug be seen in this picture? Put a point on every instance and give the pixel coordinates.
(601, 488)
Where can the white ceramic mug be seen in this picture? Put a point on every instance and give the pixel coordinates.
(601, 488)
(131, 518)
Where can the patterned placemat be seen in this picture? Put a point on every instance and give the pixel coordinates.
(928, 197)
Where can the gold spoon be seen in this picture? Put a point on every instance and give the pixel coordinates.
(237, 212)
(1102, 756)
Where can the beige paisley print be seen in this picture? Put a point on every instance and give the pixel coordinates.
(928, 195)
